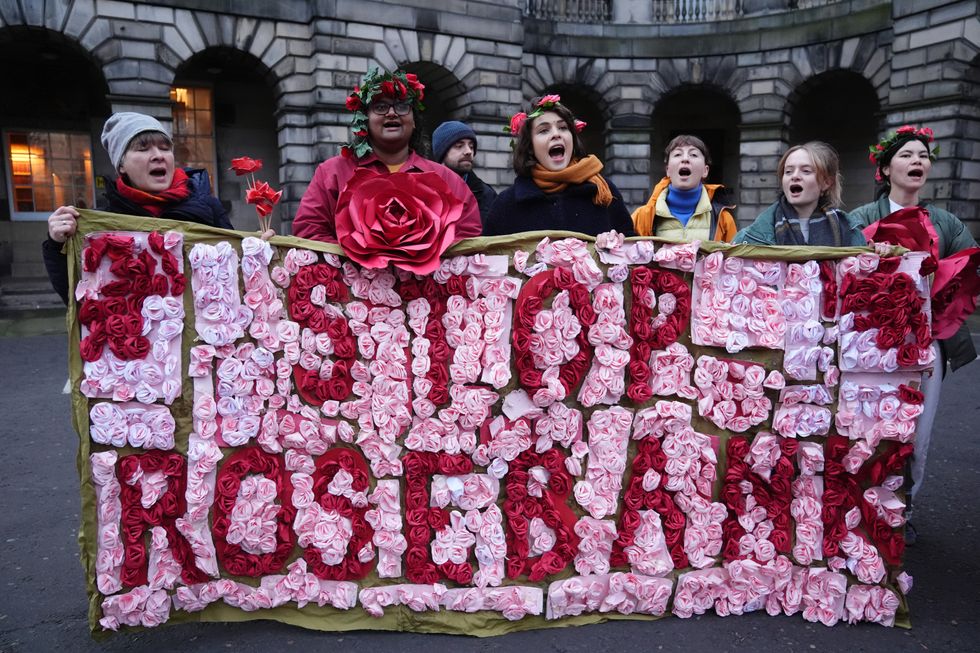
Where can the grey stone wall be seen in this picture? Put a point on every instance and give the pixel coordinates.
(485, 58)
(935, 80)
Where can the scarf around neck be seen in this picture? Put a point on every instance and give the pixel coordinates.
(578, 171)
(826, 229)
(155, 204)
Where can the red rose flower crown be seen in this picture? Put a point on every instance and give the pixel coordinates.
(399, 85)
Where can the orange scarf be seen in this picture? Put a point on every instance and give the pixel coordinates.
(577, 172)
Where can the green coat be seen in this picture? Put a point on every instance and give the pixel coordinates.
(763, 230)
(954, 237)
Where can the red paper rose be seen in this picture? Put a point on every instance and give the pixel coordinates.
(244, 165)
(407, 219)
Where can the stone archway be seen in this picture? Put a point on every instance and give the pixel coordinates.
(442, 94)
(52, 109)
(706, 112)
(243, 114)
(841, 108)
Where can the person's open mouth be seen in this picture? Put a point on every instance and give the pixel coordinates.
(795, 189)
(684, 171)
(916, 173)
(557, 153)
(158, 173)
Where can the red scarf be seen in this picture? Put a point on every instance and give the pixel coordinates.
(155, 204)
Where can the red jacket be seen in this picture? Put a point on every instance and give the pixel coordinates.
(315, 217)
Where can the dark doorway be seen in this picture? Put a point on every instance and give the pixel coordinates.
(840, 107)
(705, 112)
(442, 92)
(51, 88)
(52, 108)
(237, 97)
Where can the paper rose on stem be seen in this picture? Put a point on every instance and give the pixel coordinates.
(261, 194)
(406, 219)
(244, 165)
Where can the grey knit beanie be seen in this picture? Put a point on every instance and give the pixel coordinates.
(122, 127)
(448, 133)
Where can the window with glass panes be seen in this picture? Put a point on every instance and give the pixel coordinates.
(194, 129)
(46, 170)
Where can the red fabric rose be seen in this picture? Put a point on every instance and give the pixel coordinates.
(406, 219)
(908, 355)
(910, 395)
(954, 291)
(244, 165)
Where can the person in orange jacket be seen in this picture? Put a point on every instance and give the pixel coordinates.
(682, 207)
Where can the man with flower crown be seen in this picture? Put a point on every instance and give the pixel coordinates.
(387, 136)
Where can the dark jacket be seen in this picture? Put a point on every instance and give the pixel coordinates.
(525, 207)
(763, 230)
(200, 207)
(958, 349)
(484, 194)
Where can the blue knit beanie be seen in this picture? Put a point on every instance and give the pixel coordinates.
(448, 133)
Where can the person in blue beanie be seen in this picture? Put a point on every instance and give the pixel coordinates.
(454, 146)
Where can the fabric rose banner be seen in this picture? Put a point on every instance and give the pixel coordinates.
(545, 430)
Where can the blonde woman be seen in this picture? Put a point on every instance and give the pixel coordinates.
(806, 211)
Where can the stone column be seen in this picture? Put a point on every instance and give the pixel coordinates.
(931, 65)
(632, 11)
(760, 147)
(628, 158)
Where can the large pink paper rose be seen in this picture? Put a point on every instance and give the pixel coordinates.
(407, 219)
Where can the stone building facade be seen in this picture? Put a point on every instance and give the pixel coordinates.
(749, 76)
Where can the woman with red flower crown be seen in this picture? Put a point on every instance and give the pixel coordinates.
(149, 185)
(387, 140)
(558, 186)
(902, 162)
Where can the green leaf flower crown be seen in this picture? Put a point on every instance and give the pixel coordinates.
(398, 85)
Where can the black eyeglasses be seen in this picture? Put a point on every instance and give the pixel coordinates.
(381, 108)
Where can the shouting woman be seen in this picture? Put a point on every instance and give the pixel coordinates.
(806, 211)
(149, 185)
(558, 186)
(903, 160)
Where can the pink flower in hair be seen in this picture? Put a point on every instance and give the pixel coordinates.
(516, 122)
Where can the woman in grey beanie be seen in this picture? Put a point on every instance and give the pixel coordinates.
(148, 185)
